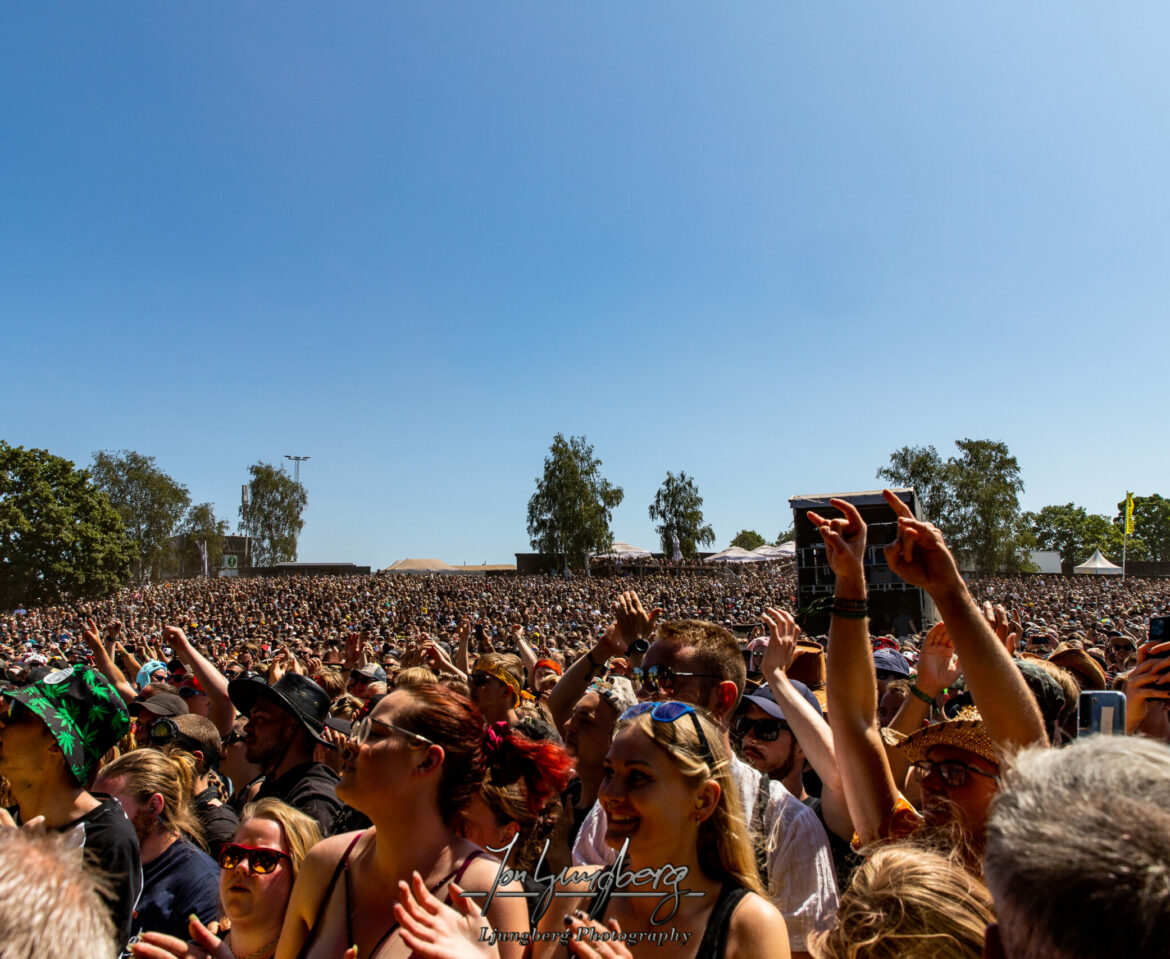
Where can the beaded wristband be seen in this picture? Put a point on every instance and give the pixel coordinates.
(847, 613)
(919, 694)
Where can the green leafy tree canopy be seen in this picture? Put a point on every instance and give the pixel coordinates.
(748, 539)
(276, 503)
(570, 512)
(679, 509)
(1075, 533)
(1151, 524)
(201, 523)
(149, 501)
(60, 538)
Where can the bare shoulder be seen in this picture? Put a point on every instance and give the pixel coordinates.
(757, 929)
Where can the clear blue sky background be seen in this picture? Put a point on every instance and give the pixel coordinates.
(764, 243)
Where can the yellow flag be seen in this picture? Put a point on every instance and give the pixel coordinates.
(1129, 514)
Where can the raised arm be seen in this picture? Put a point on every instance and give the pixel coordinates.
(219, 707)
(920, 556)
(527, 656)
(103, 661)
(808, 726)
(865, 772)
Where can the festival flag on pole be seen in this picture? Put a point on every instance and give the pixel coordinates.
(1129, 514)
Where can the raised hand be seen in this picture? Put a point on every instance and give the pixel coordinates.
(204, 945)
(633, 621)
(918, 554)
(783, 634)
(997, 619)
(844, 542)
(938, 666)
(1140, 688)
(434, 930)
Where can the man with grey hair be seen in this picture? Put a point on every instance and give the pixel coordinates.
(1078, 852)
(49, 902)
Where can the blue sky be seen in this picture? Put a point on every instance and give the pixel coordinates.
(763, 243)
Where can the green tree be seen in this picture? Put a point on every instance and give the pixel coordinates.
(748, 539)
(679, 507)
(201, 524)
(785, 535)
(276, 503)
(149, 501)
(974, 498)
(570, 512)
(1151, 523)
(922, 468)
(60, 539)
(1065, 528)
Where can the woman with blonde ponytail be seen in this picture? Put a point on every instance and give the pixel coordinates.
(179, 877)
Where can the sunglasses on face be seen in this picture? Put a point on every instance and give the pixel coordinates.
(670, 712)
(361, 732)
(260, 859)
(480, 678)
(231, 739)
(766, 730)
(952, 772)
(661, 678)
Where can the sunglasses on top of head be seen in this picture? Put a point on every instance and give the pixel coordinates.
(669, 712)
(261, 860)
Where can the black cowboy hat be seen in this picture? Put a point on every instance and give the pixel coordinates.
(293, 693)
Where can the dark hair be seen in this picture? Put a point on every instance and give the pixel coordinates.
(453, 722)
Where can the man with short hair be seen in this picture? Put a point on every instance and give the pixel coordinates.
(1078, 842)
(285, 724)
(698, 662)
(52, 736)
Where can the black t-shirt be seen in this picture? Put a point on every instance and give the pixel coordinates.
(219, 822)
(183, 880)
(309, 787)
(111, 850)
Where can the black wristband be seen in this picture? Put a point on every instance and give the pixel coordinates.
(848, 612)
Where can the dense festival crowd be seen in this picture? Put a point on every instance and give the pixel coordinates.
(648, 765)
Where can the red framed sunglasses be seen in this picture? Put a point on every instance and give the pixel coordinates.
(261, 860)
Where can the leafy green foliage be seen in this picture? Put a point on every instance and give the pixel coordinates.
(1151, 524)
(748, 539)
(59, 536)
(149, 501)
(679, 508)
(974, 498)
(570, 512)
(1075, 533)
(272, 518)
(785, 535)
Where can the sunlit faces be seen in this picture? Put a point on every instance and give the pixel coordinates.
(589, 729)
(645, 796)
(775, 758)
(672, 682)
(970, 801)
(493, 696)
(380, 765)
(246, 894)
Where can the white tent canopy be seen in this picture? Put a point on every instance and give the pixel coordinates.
(624, 551)
(783, 551)
(737, 554)
(1097, 565)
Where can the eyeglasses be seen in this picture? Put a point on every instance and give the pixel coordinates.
(361, 732)
(231, 739)
(661, 678)
(952, 772)
(261, 860)
(766, 730)
(669, 712)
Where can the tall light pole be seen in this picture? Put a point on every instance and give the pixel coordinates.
(297, 460)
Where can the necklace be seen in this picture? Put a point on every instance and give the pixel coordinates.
(268, 949)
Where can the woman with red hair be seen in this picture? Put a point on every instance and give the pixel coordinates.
(412, 766)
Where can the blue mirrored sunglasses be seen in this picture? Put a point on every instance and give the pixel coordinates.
(669, 712)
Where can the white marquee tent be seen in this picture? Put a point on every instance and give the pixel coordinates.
(1097, 565)
(737, 554)
(624, 551)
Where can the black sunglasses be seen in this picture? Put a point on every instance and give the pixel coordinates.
(231, 739)
(952, 772)
(260, 860)
(661, 678)
(766, 730)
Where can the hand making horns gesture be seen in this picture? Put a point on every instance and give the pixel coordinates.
(844, 540)
(918, 553)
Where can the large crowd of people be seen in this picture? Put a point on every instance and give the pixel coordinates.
(662, 764)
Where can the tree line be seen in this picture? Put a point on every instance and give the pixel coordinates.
(83, 533)
(973, 496)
